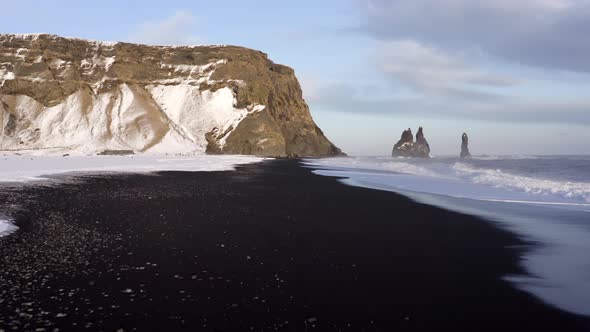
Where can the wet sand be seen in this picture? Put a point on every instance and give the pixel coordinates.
(270, 246)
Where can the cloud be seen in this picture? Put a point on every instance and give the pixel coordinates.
(428, 69)
(342, 97)
(542, 33)
(175, 30)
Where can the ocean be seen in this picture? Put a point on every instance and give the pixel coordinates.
(545, 200)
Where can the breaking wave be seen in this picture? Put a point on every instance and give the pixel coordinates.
(579, 191)
(515, 178)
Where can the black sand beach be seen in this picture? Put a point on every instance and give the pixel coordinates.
(270, 246)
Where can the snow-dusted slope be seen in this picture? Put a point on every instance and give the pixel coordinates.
(172, 119)
(79, 96)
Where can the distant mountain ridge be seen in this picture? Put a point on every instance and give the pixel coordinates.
(86, 96)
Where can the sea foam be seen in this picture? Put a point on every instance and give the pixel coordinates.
(536, 186)
(484, 178)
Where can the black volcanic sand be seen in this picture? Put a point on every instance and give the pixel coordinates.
(270, 246)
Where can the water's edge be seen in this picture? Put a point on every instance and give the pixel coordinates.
(560, 236)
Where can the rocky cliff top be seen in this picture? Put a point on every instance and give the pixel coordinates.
(219, 99)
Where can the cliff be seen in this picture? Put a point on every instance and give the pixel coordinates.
(87, 96)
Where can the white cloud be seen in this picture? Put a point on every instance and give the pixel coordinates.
(343, 97)
(429, 69)
(175, 30)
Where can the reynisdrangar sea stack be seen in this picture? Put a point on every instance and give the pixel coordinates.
(406, 147)
(465, 146)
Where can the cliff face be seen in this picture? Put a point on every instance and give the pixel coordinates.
(86, 96)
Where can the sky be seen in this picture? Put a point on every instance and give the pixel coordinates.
(513, 74)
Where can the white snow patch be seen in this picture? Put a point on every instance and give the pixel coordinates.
(85, 63)
(35, 168)
(195, 73)
(6, 227)
(22, 53)
(58, 63)
(32, 36)
(200, 112)
(5, 75)
(35, 37)
(108, 62)
(190, 69)
(258, 108)
(98, 61)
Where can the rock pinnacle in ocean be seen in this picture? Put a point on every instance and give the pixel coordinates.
(406, 147)
(465, 146)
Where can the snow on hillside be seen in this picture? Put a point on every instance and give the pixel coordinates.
(164, 115)
(173, 119)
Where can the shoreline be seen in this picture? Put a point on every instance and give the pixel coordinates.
(269, 246)
(558, 232)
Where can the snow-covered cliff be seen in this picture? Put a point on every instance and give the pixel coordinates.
(63, 94)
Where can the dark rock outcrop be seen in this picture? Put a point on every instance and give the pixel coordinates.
(421, 147)
(465, 146)
(406, 147)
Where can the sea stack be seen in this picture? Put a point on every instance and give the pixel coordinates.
(421, 147)
(406, 147)
(465, 146)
